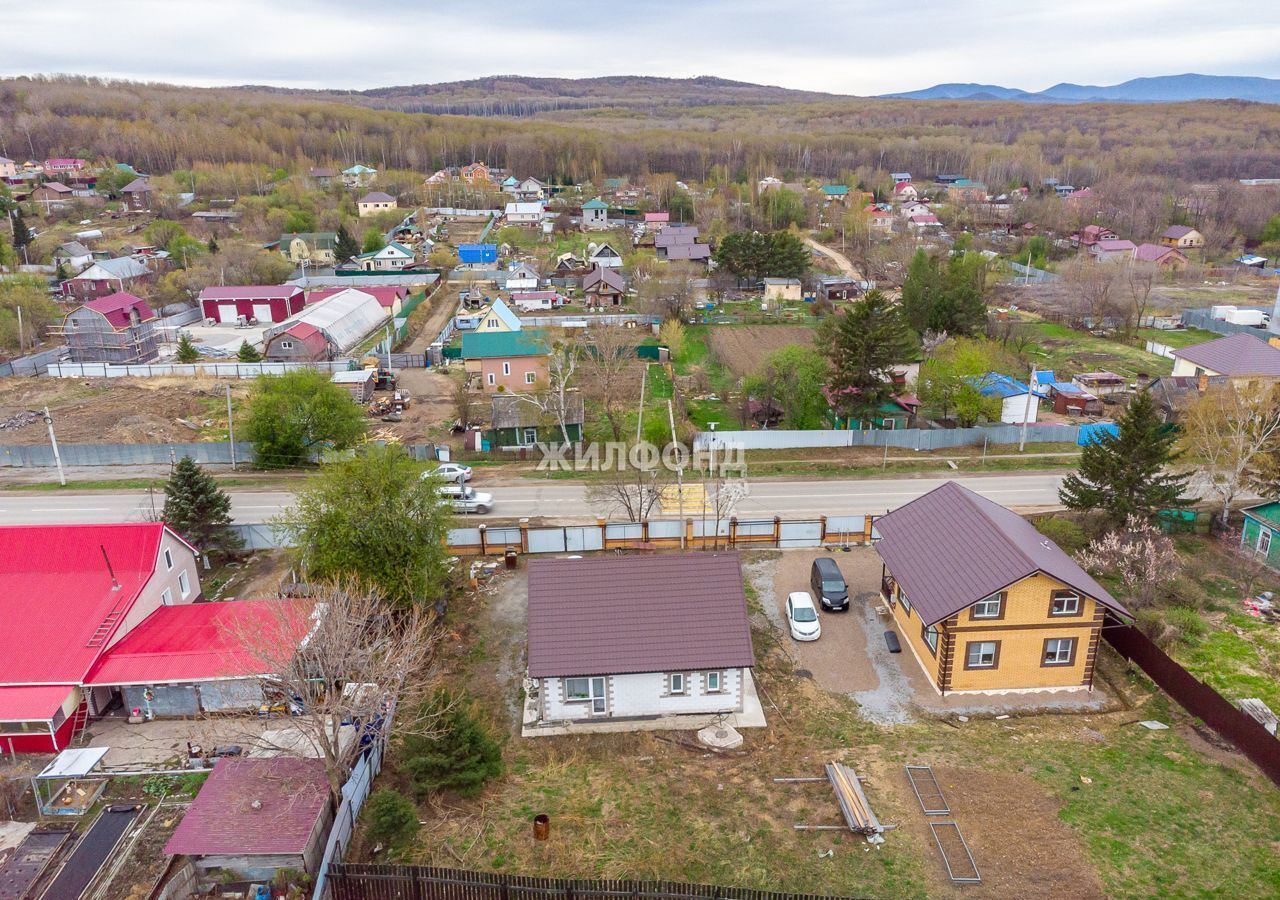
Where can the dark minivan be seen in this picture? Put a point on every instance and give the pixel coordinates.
(828, 584)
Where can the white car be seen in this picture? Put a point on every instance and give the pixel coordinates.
(470, 501)
(802, 617)
(451, 472)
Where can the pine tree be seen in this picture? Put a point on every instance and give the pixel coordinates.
(1125, 474)
(461, 756)
(248, 353)
(919, 291)
(863, 344)
(346, 246)
(187, 352)
(200, 511)
(21, 233)
(212, 246)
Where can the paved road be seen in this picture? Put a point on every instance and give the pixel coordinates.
(561, 500)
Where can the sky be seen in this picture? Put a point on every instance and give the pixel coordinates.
(861, 47)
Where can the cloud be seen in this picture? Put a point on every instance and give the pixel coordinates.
(842, 46)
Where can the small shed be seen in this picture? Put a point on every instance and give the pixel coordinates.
(68, 785)
(255, 816)
(359, 382)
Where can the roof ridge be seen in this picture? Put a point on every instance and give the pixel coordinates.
(973, 498)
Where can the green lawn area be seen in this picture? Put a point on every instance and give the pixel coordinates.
(1070, 352)
(1182, 337)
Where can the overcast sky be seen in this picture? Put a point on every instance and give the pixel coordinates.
(844, 46)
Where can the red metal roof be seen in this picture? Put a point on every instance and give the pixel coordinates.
(56, 590)
(613, 615)
(200, 641)
(384, 295)
(251, 292)
(32, 704)
(115, 307)
(253, 807)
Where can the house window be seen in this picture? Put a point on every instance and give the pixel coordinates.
(586, 690)
(1059, 652)
(1264, 540)
(168, 559)
(492, 323)
(989, 608)
(492, 378)
(1065, 603)
(531, 436)
(982, 654)
(506, 368)
(906, 604)
(530, 377)
(713, 683)
(286, 345)
(675, 683)
(166, 597)
(184, 584)
(930, 635)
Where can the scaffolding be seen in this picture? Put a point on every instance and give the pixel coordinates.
(91, 338)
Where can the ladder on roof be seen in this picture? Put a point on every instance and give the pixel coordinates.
(104, 629)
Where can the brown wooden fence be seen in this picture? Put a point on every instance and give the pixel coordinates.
(1196, 697)
(367, 882)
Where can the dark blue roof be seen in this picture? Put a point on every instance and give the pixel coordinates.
(478, 253)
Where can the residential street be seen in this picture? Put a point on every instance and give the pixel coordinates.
(561, 501)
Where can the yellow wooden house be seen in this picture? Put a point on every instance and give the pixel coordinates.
(985, 602)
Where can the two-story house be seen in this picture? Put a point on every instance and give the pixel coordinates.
(375, 202)
(595, 215)
(510, 361)
(985, 602)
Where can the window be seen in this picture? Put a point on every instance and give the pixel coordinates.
(1065, 603)
(675, 683)
(286, 345)
(530, 377)
(1059, 652)
(184, 584)
(506, 368)
(492, 378)
(492, 323)
(168, 559)
(1264, 541)
(989, 608)
(906, 604)
(586, 690)
(577, 688)
(531, 436)
(166, 597)
(930, 637)
(982, 654)
(713, 683)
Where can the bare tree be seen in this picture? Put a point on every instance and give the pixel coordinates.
(343, 656)
(1093, 285)
(1139, 280)
(611, 373)
(1227, 429)
(631, 490)
(462, 402)
(554, 402)
(668, 291)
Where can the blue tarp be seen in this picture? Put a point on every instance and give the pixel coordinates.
(472, 254)
(1098, 431)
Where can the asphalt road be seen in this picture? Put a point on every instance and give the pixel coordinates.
(562, 500)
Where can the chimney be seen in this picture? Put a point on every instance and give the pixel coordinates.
(115, 585)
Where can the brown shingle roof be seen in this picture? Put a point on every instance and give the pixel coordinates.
(622, 614)
(1236, 354)
(952, 547)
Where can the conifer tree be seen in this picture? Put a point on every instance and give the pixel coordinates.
(248, 353)
(460, 756)
(187, 352)
(1124, 474)
(200, 511)
(346, 245)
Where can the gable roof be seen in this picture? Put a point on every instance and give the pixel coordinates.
(1155, 253)
(1115, 246)
(617, 614)
(1235, 354)
(115, 308)
(1173, 232)
(952, 547)
(137, 186)
(503, 312)
(306, 334)
(994, 384)
(253, 806)
(600, 276)
(321, 240)
(835, 190)
(496, 345)
(676, 234)
(688, 251)
(113, 270)
(509, 411)
(72, 249)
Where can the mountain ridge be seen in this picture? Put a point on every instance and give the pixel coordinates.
(1149, 89)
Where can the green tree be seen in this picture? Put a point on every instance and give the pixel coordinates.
(1124, 474)
(392, 818)
(200, 511)
(965, 309)
(212, 246)
(30, 293)
(294, 415)
(346, 246)
(460, 756)
(920, 290)
(863, 343)
(8, 258)
(793, 377)
(248, 353)
(751, 255)
(372, 519)
(782, 208)
(373, 241)
(788, 257)
(680, 207)
(300, 220)
(22, 236)
(1270, 233)
(948, 378)
(187, 352)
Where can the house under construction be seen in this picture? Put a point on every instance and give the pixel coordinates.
(117, 328)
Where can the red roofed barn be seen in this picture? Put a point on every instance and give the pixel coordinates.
(266, 303)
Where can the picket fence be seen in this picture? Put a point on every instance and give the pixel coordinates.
(904, 438)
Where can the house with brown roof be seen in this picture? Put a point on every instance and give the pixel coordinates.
(603, 287)
(52, 195)
(985, 602)
(375, 202)
(1161, 256)
(639, 642)
(1182, 237)
(139, 193)
(1241, 357)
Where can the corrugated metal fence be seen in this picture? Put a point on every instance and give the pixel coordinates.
(1203, 318)
(354, 793)
(32, 364)
(191, 370)
(906, 438)
(41, 455)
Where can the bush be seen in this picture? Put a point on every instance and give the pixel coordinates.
(461, 756)
(1170, 627)
(393, 819)
(1187, 593)
(1187, 622)
(1065, 533)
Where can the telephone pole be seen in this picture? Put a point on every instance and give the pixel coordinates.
(231, 430)
(57, 457)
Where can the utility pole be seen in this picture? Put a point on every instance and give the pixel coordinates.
(671, 417)
(57, 457)
(22, 341)
(231, 430)
(1026, 412)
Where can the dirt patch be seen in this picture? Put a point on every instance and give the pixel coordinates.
(1022, 848)
(252, 578)
(742, 349)
(146, 862)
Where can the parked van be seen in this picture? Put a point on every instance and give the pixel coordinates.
(828, 584)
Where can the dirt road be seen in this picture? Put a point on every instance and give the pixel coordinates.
(842, 262)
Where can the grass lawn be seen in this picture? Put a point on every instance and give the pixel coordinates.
(1070, 352)
(1182, 337)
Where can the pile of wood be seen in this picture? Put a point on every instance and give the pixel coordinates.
(853, 802)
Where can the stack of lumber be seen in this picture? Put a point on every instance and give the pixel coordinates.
(853, 802)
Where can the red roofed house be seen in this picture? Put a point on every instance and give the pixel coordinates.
(391, 298)
(905, 192)
(1092, 234)
(1112, 251)
(1162, 257)
(266, 303)
(117, 328)
(653, 641)
(255, 816)
(63, 165)
(300, 342)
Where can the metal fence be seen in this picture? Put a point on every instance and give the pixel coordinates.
(1196, 697)
(32, 364)
(354, 793)
(41, 455)
(1203, 318)
(1030, 274)
(385, 882)
(190, 370)
(906, 438)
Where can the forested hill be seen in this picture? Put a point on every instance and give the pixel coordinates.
(518, 95)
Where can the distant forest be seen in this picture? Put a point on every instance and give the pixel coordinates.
(161, 128)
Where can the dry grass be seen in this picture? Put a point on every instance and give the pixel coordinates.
(743, 348)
